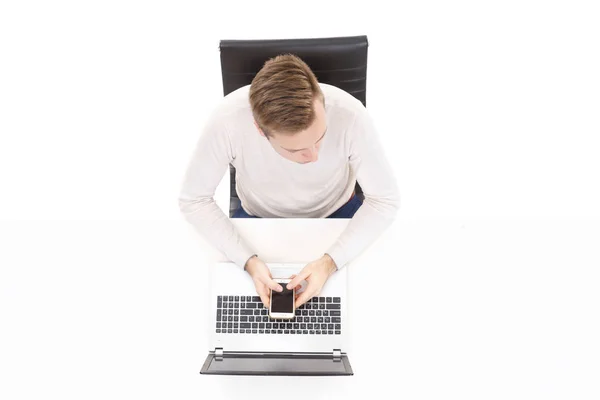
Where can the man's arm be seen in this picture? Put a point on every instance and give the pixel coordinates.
(209, 162)
(376, 178)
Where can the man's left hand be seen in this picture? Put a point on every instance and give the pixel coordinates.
(316, 274)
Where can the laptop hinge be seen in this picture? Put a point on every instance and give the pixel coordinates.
(337, 355)
(218, 354)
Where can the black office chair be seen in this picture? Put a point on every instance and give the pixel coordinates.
(338, 61)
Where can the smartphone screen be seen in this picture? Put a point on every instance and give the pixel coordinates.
(282, 302)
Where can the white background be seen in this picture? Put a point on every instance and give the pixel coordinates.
(488, 112)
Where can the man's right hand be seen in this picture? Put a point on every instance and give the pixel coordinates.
(263, 281)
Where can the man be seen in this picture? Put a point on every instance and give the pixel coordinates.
(298, 147)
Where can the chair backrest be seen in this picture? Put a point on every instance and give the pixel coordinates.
(338, 61)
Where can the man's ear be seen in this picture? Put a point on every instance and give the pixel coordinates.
(259, 130)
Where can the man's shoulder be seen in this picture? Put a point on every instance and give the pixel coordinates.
(233, 102)
(340, 103)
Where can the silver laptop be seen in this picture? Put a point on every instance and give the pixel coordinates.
(244, 340)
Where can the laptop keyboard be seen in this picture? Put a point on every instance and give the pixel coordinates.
(247, 314)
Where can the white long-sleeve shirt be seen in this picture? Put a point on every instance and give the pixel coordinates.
(272, 186)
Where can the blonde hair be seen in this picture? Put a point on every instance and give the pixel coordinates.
(282, 95)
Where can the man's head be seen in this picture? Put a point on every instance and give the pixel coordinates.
(289, 108)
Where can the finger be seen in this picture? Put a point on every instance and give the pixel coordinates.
(264, 297)
(271, 284)
(298, 278)
(305, 296)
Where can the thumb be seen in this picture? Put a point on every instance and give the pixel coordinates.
(271, 284)
(297, 279)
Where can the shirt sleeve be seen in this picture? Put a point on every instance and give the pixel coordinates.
(376, 178)
(209, 162)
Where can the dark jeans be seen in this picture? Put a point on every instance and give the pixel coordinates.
(345, 211)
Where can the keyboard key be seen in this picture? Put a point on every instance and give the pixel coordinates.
(225, 305)
(229, 330)
(338, 332)
(308, 306)
(310, 326)
(236, 318)
(230, 298)
(243, 305)
(243, 319)
(254, 331)
(236, 312)
(236, 305)
(280, 332)
(324, 327)
(322, 306)
(251, 319)
(255, 299)
(288, 326)
(321, 299)
(265, 318)
(328, 299)
(318, 332)
(273, 331)
(267, 331)
(333, 306)
(313, 319)
(219, 298)
(261, 331)
(303, 326)
(269, 325)
(275, 325)
(338, 327)
(336, 320)
(242, 331)
(320, 319)
(225, 312)
(335, 313)
(235, 331)
(304, 312)
(296, 326)
(256, 312)
(235, 325)
(311, 312)
(246, 312)
(230, 305)
(250, 305)
(327, 320)
(305, 332)
(218, 331)
(330, 332)
(245, 325)
(330, 326)
(298, 312)
(312, 332)
(254, 325)
(236, 298)
(325, 312)
(262, 326)
(264, 311)
(230, 318)
(292, 332)
(337, 300)
(218, 324)
(243, 298)
(319, 313)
